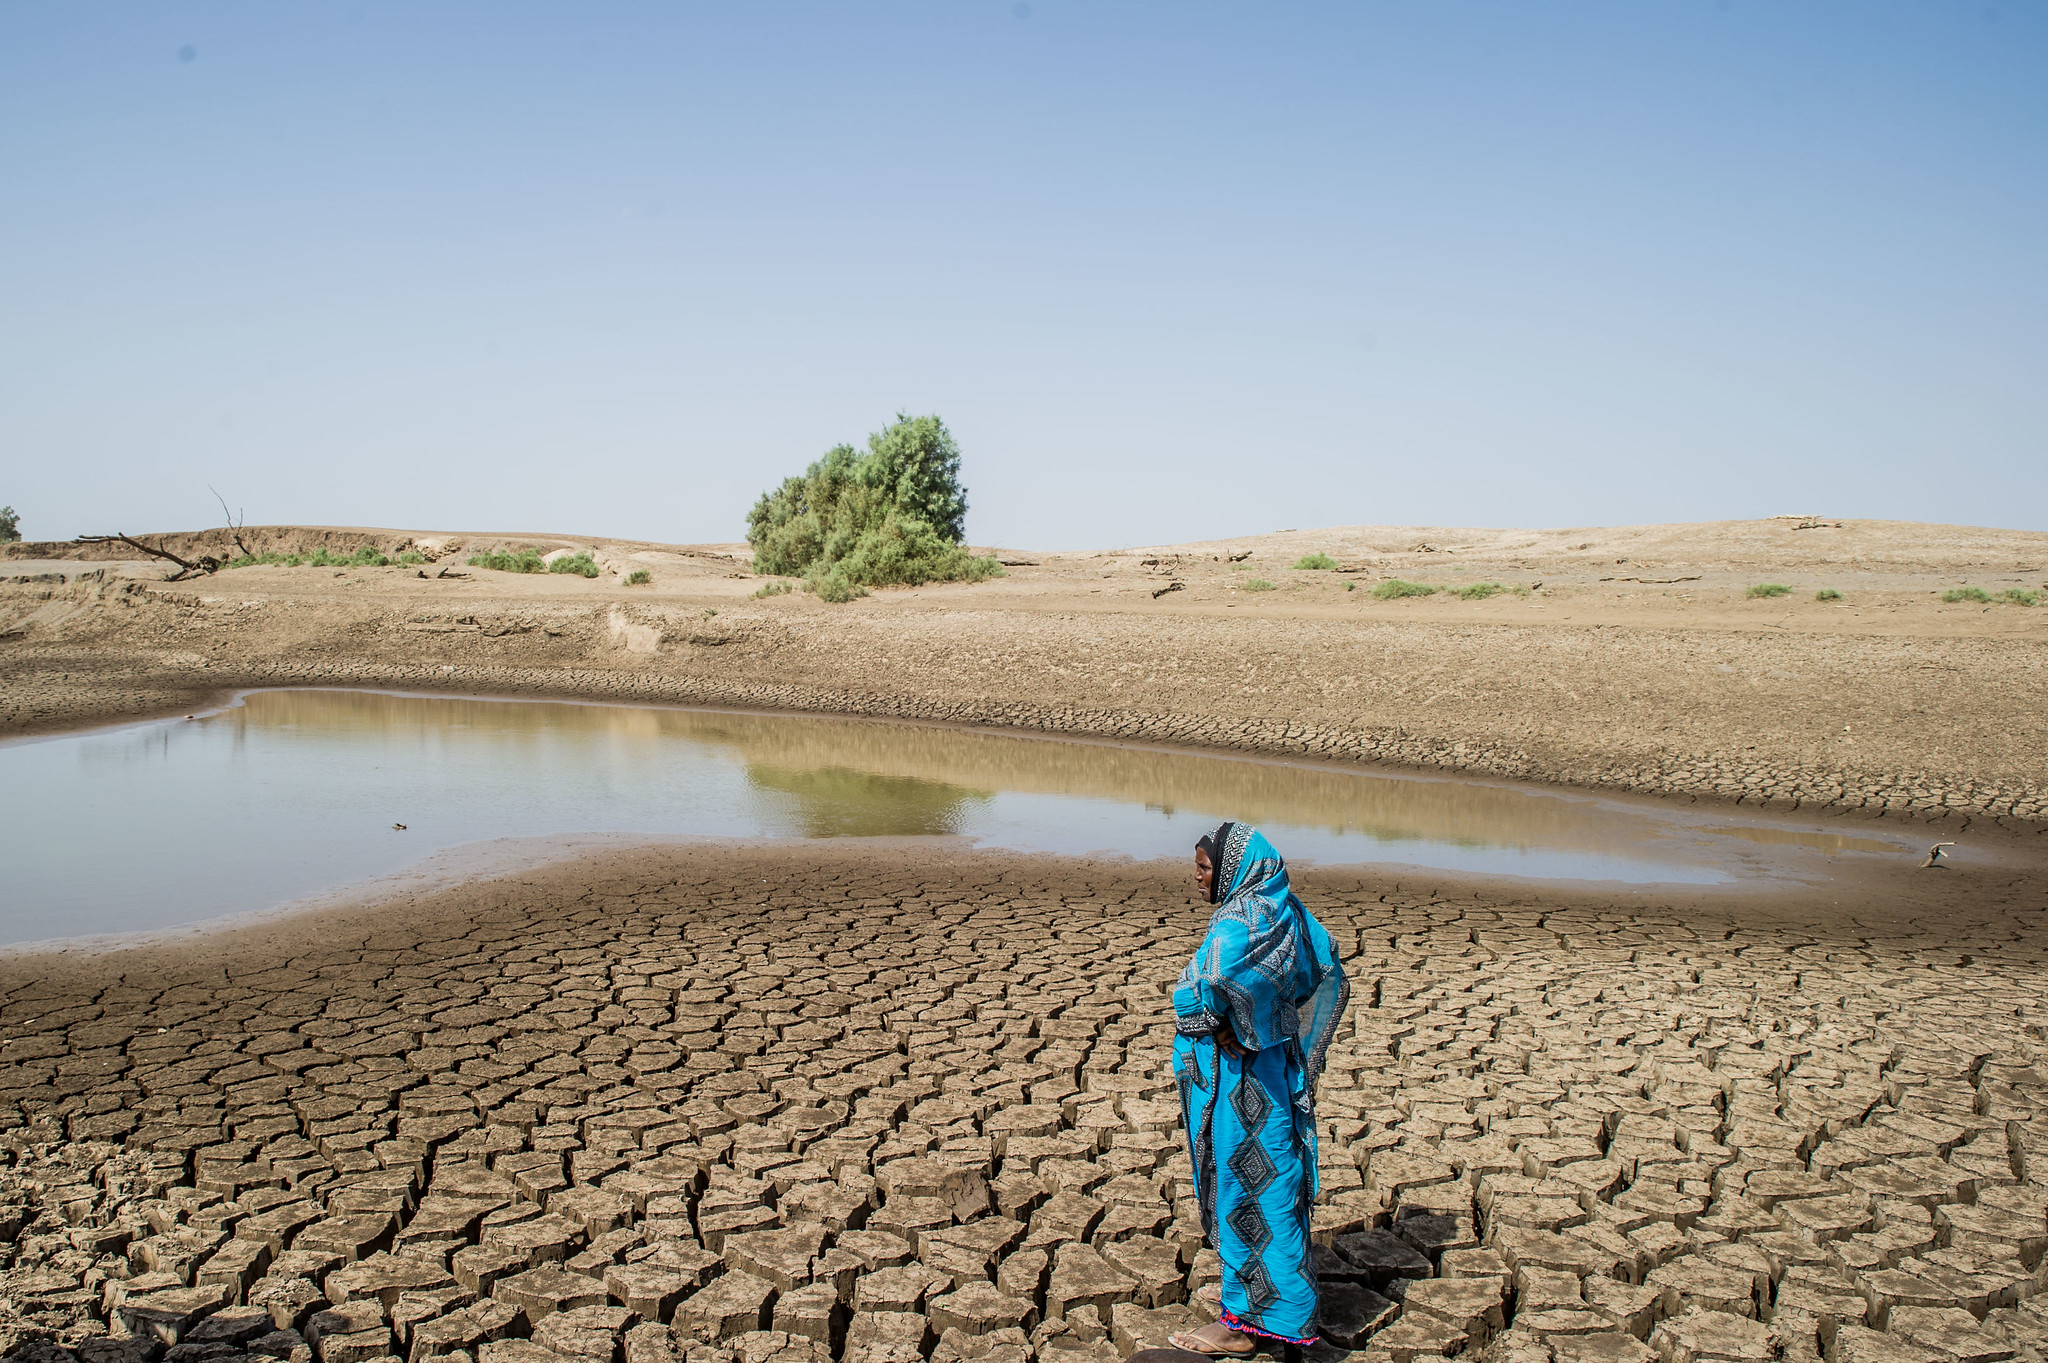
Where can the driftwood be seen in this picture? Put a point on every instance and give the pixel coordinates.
(199, 567)
(204, 564)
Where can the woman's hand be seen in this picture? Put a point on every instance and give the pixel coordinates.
(1227, 1040)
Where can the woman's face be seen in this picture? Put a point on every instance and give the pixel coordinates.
(1205, 870)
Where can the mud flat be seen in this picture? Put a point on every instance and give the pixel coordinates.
(886, 1104)
(1620, 658)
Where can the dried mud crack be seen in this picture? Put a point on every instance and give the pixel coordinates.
(884, 1106)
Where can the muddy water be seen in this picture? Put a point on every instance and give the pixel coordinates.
(290, 794)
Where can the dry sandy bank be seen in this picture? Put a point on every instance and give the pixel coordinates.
(1623, 657)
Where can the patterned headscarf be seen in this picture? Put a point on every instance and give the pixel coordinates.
(1265, 958)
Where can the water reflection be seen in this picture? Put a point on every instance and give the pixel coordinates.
(1792, 837)
(1300, 795)
(870, 778)
(838, 802)
(297, 792)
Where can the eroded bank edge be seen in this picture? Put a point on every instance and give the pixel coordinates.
(2016, 805)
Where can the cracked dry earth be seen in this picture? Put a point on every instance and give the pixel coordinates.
(888, 1105)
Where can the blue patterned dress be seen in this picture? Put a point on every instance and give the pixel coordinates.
(1269, 968)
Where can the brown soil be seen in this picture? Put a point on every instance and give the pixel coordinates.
(554, 1104)
(1636, 660)
(636, 1106)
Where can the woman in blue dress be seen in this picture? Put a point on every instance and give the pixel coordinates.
(1254, 1014)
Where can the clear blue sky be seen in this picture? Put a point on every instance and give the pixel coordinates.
(1168, 271)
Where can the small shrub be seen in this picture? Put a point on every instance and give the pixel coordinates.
(2020, 596)
(639, 577)
(1827, 594)
(1477, 591)
(583, 565)
(1768, 589)
(1258, 584)
(1309, 561)
(1351, 586)
(1394, 588)
(775, 589)
(10, 525)
(369, 556)
(1977, 594)
(834, 586)
(524, 561)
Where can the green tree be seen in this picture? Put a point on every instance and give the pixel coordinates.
(916, 465)
(895, 513)
(10, 525)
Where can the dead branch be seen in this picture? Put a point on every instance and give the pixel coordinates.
(206, 563)
(234, 521)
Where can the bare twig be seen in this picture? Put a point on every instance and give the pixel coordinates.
(234, 521)
(206, 563)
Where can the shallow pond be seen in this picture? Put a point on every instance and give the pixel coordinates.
(292, 794)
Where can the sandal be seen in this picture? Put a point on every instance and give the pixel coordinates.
(1191, 1342)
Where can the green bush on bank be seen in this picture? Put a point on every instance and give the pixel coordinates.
(369, 556)
(527, 560)
(834, 586)
(2016, 596)
(583, 565)
(894, 514)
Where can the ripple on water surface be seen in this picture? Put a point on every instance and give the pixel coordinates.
(290, 794)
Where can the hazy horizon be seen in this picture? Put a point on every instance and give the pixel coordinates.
(1169, 273)
(594, 535)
